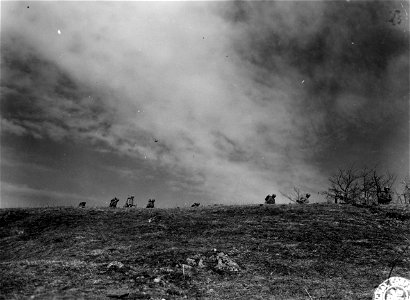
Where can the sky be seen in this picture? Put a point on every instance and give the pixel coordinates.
(211, 102)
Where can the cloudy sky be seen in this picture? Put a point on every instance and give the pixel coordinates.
(211, 102)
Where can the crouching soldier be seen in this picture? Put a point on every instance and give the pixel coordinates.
(82, 204)
(303, 199)
(114, 202)
(150, 203)
(270, 199)
(129, 202)
(384, 197)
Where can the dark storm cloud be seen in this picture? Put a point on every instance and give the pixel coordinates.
(351, 60)
(40, 99)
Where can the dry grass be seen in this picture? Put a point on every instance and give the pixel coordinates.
(285, 252)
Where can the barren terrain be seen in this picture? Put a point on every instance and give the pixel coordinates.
(317, 251)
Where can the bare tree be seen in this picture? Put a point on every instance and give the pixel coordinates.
(383, 184)
(344, 185)
(365, 186)
(404, 196)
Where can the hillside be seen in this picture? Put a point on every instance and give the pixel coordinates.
(317, 251)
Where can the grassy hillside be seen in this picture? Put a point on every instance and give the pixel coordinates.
(316, 251)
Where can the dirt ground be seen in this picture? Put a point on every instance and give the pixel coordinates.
(316, 251)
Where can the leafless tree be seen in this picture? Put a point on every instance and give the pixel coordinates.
(383, 184)
(365, 186)
(404, 195)
(406, 191)
(344, 185)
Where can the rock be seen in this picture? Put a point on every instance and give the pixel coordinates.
(217, 261)
(139, 295)
(166, 270)
(201, 263)
(39, 290)
(115, 265)
(186, 267)
(120, 293)
(197, 261)
(226, 264)
(187, 270)
(191, 262)
(97, 252)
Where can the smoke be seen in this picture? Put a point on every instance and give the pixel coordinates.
(231, 98)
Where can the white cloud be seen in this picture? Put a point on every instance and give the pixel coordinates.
(10, 126)
(176, 64)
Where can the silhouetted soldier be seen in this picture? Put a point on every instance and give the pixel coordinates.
(384, 197)
(150, 203)
(304, 199)
(342, 197)
(114, 202)
(270, 199)
(129, 202)
(195, 204)
(82, 204)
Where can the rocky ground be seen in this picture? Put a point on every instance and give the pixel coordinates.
(317, 251)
